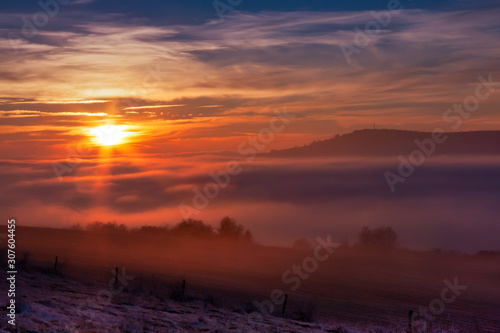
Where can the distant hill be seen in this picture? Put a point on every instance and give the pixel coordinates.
(387, 142)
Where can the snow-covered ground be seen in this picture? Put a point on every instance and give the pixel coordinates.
(353, 291)
(53, 303)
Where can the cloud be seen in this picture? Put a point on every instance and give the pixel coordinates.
(280, 181)
(264, 56)
(189, 89)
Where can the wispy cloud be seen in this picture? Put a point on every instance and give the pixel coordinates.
(145, 107)
(421, 62)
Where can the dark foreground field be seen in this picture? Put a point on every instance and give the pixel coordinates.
(351, 290)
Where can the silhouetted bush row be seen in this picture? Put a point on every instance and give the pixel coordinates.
(384, 238)
(228, 229)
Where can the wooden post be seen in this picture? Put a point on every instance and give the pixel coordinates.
(55, 265)
(284, 304)
(410, 320)
(116, 275)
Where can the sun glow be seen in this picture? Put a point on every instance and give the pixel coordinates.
(109, 135)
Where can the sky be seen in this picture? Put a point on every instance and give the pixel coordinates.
(189, 82)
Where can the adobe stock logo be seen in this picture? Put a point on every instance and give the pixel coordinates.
(222, 8)
(40, 19)
(428, 146)
(436, 307)
(373, 28)
(294, 276)
(249, 148)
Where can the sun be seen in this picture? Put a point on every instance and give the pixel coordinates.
(109, 135)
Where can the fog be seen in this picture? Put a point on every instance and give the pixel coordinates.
(448, 203)
(344, 282)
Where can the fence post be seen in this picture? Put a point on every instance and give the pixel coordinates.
(284, 304)
(410, 320)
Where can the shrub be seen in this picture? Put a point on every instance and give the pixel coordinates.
(229, 229)
(110, 227)
(191, 227)
(379, 238)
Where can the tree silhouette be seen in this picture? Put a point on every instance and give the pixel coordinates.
(109, 227)
(248, 237)
(191, 227)
(379, 238)
(228, 227)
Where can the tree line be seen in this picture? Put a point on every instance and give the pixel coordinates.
(228, 228)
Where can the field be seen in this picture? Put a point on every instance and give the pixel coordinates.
(226, 283)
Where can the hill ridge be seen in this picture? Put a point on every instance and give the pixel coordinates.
(390, 142)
